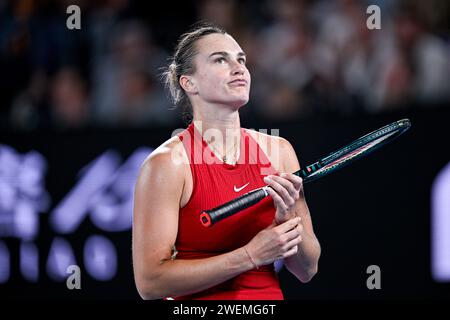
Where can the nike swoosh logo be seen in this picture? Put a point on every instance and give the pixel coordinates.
(239, 189)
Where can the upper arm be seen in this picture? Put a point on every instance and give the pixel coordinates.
(291, 164)
(157, 197)
(289, 159)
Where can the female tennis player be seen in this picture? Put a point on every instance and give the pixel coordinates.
(213, 161)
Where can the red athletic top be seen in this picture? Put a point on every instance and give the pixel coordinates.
(217, 183)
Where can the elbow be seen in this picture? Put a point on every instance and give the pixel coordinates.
(146, 292)
(311, 270)
(148, 279)
(303, 274)
(149, 289)
(308, 275)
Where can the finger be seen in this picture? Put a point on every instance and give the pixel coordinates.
(288, 225)
(277, 200)
(288, 185)
(278, 184)
(291, 252)
(296, 180)
(292, 234)
(294, 242)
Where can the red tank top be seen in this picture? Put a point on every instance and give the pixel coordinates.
(214, 184)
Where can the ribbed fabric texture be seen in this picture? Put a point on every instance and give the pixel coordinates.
(215, 183)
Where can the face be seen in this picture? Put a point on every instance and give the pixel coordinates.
(221, 75)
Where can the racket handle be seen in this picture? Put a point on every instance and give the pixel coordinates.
(209, 217)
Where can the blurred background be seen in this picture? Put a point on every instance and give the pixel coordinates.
(81, 109)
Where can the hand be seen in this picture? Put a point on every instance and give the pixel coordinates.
(275, 242)
(285, 191)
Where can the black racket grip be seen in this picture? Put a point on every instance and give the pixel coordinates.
(209, 217)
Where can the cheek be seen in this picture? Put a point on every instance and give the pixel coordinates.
(209, 81)
(211, 84)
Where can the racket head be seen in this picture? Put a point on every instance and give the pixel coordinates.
(357, 149)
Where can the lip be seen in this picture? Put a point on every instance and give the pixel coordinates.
(240, 82)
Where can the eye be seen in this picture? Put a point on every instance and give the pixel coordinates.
(242, 60)
(220, 60)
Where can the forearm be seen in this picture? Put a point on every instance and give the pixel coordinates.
(181, 277)
(304, 264)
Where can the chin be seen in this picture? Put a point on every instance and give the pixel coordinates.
(239, 102)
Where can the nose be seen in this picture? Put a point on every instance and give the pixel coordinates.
(238, 68)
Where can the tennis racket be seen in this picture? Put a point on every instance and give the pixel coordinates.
(334, 161)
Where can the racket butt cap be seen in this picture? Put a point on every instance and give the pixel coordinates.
(205, 219)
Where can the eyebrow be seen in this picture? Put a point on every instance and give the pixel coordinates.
(225, 54)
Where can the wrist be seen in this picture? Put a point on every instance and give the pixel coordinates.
(286, 217)
(250, 258)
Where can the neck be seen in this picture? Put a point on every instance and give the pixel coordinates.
(217, 117)
(220, 128)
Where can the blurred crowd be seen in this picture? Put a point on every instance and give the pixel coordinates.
(306, 57)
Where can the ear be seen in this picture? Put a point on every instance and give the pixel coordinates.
(188, 84)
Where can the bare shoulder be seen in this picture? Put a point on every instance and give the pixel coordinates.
(280, 151)
(167, 161)
(170, 153)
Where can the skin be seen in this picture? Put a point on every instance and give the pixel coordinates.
(216, 99)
